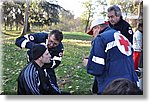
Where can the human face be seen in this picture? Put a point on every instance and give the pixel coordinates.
(96, 30)
(46, 57)
(113, 19)
(52, 42)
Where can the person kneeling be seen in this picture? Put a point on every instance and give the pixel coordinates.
(33, 79)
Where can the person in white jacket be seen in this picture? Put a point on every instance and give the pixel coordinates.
(137, 45)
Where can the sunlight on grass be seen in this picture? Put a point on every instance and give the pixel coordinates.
(78, 42)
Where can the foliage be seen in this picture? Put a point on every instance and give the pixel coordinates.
(41, 12)
(71, 74)
(69, 24)
(88, 12)
(127, 6)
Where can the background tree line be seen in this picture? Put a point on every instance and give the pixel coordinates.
(98, 8)
(37, 13)
(46, 14)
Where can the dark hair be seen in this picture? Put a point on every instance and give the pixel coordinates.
(58, 35)
(122, 86)
(116, 9)
(103, 25)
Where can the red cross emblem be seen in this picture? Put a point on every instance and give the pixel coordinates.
(124, 42)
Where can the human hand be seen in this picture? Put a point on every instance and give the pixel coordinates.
(85, 61)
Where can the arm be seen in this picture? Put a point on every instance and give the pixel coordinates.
(128, 33)
(28, 41)
(56, 60)
(28, 82)
(96, 62)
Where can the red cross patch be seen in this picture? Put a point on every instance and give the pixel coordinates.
(123, 44)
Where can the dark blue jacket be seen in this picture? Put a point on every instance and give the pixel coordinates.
(111, 58)
(28, 41)
(125, 29)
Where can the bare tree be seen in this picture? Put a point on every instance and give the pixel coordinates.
(88, 13)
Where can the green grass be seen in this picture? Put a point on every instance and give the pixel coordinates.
(71, 74)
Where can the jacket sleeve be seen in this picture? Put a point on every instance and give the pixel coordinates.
(56, 60)
(96, 62)
(28, 83)
(28, 41)
(129, 33)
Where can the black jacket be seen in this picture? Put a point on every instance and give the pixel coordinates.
(125, 29)
(34, 80)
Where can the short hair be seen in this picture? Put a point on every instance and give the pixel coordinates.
(58, 35)
(116, 9)
(103, 25)
(122, 86)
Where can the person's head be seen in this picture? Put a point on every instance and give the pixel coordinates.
(54, 38)
(97, 25)
(122, 86)
(41, 54)
(114, 14)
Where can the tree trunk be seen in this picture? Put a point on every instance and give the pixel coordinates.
(87, 23)
(24, 31)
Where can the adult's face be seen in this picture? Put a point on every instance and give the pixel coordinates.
(52, 42)
(113, 19)
(46, 57)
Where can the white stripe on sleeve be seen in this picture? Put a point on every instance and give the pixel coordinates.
(57, 58)
(23, 44)
(98, 60)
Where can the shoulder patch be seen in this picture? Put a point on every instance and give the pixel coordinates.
(60, 54)
(130, 31)
(31, 37)
(123, 44)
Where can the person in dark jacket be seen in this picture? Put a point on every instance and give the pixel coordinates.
(54, 44)
(116, 22)
(33, 79)
(111, 55)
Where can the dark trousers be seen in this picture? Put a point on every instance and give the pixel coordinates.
(95, 87)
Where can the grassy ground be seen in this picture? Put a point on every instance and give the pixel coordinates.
(71, 74)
